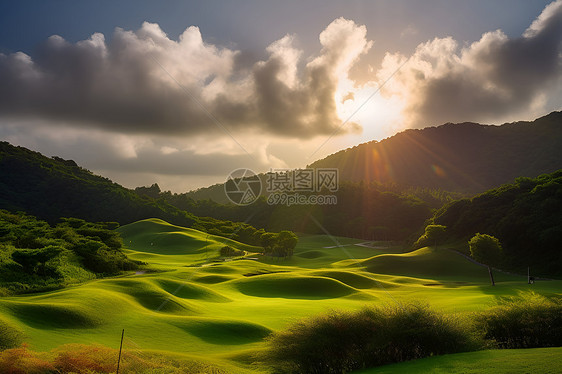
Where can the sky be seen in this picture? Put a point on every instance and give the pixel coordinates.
(181, 93)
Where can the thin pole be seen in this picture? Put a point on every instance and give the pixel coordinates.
(120, 348)
(491, 276)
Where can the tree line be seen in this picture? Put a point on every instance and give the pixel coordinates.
(524, 216)
(36, 256)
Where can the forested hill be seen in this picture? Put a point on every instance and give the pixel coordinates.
(465, 157)
(50, 188)
(526, 216)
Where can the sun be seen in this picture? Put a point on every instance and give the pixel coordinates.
(378, 116)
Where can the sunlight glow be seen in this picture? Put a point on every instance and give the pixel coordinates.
(379, 118)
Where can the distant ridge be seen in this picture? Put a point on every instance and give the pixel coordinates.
(50, 188)
(464, 157)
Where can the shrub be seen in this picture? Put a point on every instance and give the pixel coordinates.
(433, 235)
(526, 322)
(228, 251)
(23, 361)
(340, 342)
(79, 358)
(74, 357)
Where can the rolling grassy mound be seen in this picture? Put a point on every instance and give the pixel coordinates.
(212, 279)
(55, 316)
(191, 291)
(426, 262)
(220, 312)
(159, 237)
(291, 286)
(224, 332)
(350, 278)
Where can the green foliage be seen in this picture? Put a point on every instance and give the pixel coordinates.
(363, 210)
(281, 244)
(340, 342)
(486, 249)
(35, 260)
(152, 192)
(54, 188)
(524, 216)
(228, 251)
(434, 234)
(35, 256)
(286, 242)
(523, 322)
(50, 188)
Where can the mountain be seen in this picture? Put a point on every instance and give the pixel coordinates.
(465, 157)
(526, 216)
(50, 188)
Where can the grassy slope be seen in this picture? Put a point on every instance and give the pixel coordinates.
(221, 311)
(538, 360)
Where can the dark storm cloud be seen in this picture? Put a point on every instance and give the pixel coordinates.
(490, 79)
(130, 85)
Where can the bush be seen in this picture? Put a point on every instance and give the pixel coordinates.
(37, 257)
(78, 358)
(23, 361)
(228, 251)
(526, 322)
(433, 235)
(340, 342)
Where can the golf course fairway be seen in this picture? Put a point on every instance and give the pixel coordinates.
(189, 302)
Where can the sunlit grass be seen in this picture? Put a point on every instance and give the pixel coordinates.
(187, 304)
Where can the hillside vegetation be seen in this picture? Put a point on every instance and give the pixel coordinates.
(465, 157)
(524, 216)
(50, 188)
(35, 256)
(363, 210)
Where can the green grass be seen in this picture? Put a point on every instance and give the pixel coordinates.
(505, 361)
(219, 312)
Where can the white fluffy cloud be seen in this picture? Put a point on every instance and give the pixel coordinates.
(144, 82)
(115, 106)
(495, 78)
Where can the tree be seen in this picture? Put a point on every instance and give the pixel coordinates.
(487, 250)
(433, 234)
(228, 251)
(280, 244)
(268, 240)
(152, 191)
(286, 242)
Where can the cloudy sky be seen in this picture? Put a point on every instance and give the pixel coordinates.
(181, 93)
